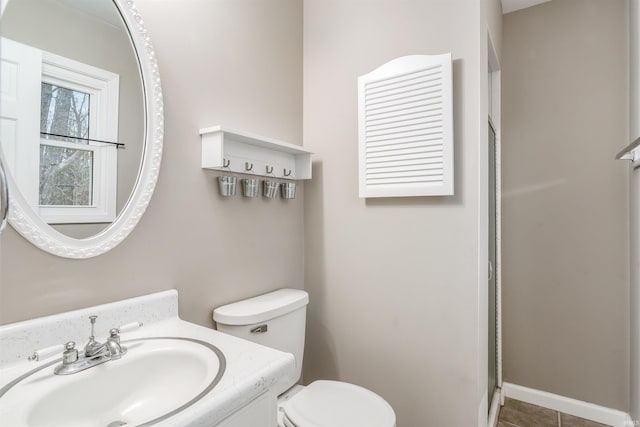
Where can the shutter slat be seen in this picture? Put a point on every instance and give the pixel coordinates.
(397, 149)
(431, 97)
(402, 107)
(403, 169)
(429, 153)
(403, 160)
(404, 131)
(409, 112)
(403, 121)
(431, 173)
(416, 136)
(406, 180)
(403, 76)
(425, 79)
(408, 90)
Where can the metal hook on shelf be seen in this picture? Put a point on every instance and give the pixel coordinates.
(269, 171)
(225, 165)
(248, 168)
(285, 173)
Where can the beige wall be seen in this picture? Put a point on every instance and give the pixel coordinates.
(565, 214)
(221, 62)
(394, 283)
(634, 198)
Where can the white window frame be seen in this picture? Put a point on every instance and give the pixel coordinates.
(103, 88)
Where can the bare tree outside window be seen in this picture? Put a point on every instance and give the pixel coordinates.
(66, 174)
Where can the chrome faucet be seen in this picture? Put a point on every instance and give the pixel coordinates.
(95, 353)
(111, 347)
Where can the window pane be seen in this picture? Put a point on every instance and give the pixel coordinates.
(66, 176)
(64, 112)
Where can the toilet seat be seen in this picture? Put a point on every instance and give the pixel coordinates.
(337, 404)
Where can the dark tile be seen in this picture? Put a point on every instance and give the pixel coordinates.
(571, 421)
(523, 414)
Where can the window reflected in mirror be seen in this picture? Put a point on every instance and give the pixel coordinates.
(64, 111)
(66, 174)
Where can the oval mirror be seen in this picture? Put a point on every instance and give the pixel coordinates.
(81, 121)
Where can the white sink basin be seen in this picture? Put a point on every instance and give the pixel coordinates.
(157, 378)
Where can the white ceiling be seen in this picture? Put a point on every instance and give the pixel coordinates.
(513, 5)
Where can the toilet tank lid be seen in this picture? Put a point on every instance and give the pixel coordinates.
(261, 308)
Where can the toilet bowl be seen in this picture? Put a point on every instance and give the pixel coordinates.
(277, 320)
(335, 404)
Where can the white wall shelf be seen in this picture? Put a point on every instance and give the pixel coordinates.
(231, 150)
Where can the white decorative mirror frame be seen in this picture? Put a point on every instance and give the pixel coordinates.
(38, 232)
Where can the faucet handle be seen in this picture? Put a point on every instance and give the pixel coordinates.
(114, 333)
(43, 353)
(128, 327)
(70, 354)
(92, 319)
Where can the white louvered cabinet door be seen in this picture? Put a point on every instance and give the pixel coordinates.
(405, 126)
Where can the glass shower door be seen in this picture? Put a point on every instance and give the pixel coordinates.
(492, 365)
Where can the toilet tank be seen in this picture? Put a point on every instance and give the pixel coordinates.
(275, 320)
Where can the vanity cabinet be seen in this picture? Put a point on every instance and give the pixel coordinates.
(261, 412)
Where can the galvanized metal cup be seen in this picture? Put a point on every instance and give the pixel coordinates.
(250, 187)
(227, 184)
(288, 190)
(270, 188)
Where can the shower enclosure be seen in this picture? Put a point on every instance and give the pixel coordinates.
(635, 291)
(493, 348)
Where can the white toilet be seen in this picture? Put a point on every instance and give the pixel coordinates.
(277, 320)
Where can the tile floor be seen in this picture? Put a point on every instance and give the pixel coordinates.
(515, 413)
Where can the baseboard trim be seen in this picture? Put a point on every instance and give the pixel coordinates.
(494, 408)
(578, 408)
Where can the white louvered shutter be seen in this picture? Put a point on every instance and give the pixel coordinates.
(405, 114)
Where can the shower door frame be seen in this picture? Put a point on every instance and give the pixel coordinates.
(494, 117)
